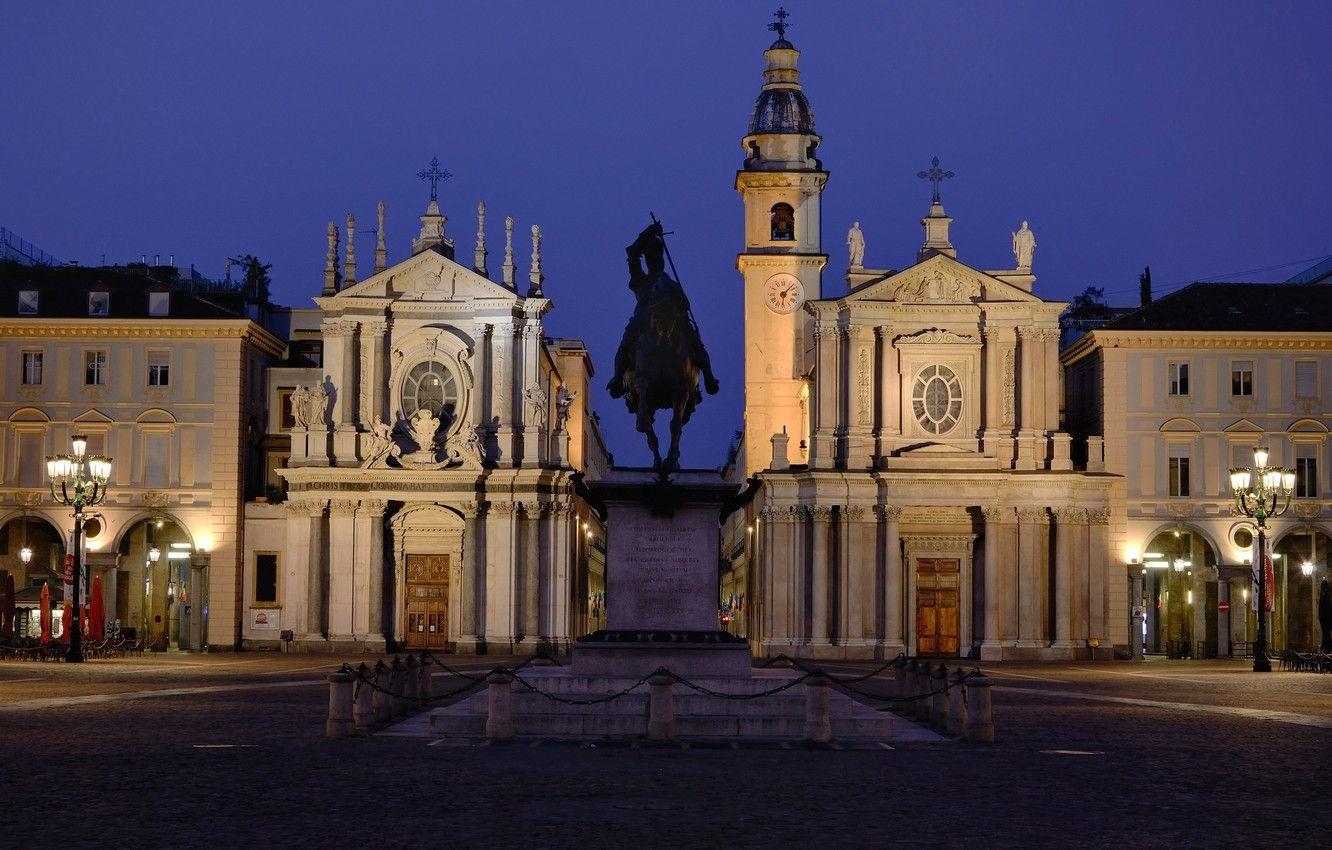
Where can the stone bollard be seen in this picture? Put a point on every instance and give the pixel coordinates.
(396, 701)
(906, 679)
(979, 725)
(339, 723)
(661, 707)
(957, 705)
(939, 698)
(425, 690)
(411, 686)
(363, 705)
(818, 726)
(920, 706)
(499, 715)
(382, 704)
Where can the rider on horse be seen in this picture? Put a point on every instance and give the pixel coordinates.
(657, 295)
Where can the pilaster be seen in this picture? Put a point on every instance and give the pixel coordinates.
(341, 569)
(894, 581)
(1033, 565)
(821, 526)
(861, 397)
(822, 453)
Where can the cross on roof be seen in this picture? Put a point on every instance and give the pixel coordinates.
(935, 175)
(434, 174)
(779, 26)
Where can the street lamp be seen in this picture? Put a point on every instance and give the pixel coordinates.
(1261, 492)
(82, 482)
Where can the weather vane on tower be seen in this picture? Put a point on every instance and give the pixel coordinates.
(434, 174)
(779, 26)
(935, 175)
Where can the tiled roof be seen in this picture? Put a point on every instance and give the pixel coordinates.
(1235, 307)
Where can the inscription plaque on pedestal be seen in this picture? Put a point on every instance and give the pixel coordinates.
(661, 572)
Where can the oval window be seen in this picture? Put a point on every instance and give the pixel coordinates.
(431, 385)
(936, 399)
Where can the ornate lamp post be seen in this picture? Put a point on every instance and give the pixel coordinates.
(1261, 492)
(81, 479)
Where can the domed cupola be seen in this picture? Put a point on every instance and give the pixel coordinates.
(781, 130)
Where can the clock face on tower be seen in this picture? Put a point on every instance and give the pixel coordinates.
(783, 293)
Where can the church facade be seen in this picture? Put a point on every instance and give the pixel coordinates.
(918, 494)
(429, 499)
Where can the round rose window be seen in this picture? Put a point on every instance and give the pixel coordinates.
(936, 399)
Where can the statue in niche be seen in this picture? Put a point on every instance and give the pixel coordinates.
(1024, 246)
(855, 243)
(661, 355)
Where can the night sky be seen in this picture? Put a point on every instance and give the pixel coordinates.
(1188, 136)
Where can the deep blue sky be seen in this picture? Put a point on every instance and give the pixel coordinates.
(1191, 136)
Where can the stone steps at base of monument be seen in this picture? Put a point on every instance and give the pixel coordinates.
(582, 726)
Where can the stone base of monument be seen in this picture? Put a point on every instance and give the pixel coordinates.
(662, 612)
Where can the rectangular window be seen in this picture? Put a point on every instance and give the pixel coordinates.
(266, 577)
(1179, 476)
(159, 368)
(1306, 477)
(1241, 378)
(32, 368)
(286, 419)
(94, 368)
(27, 302)
(99, 303)
(1306, 379)
(159, 303)
(1179, 379)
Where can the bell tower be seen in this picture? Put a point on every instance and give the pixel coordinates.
(780, 184)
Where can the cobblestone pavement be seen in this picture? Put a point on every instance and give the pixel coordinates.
(229, 750)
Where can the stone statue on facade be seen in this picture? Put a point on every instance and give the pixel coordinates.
(423, 427)
(299, 404)
(380, 445)
(307, 407)
(661, 355)
(469, 452)
(1024, 246)
(564, 399)
(855, 244)
(537, 404)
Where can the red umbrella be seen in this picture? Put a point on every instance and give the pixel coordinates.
(96, 612)
(46, 614)
(66, 623)
(7, 608)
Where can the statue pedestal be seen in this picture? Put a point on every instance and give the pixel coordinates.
(662, 579)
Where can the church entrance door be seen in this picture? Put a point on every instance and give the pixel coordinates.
(427, 594)
(938, 587)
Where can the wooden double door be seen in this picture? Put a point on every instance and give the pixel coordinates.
(938, 613)
(427, 592)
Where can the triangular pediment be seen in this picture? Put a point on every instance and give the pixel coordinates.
(425, 278)
(940, 279)
(1242, 426)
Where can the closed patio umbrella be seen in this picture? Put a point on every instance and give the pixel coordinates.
(66, 622)
(97, 612)
(46, 614)
(7, 608)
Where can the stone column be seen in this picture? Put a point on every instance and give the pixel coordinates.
(471, 604)
(820, 527)
(894, 581)
(1033, 540)
(860, 405)
(825, 401)
(482, 371)
(1051, 385)
(303, 589)
(530, 570)
(1136, 611)
(1098, 575)
(848, 579)
(1068, 522)
(340, 367)
(374, 381)
(341, 569)
(890, 392)
(370, 547)
(991, 648)
(502, 390)
(533, 424)
(1029, 401)
(1223, 619)
(500, 585)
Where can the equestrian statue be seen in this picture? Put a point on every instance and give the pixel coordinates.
(661, 356)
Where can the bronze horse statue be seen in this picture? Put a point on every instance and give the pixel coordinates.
(661, 356)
